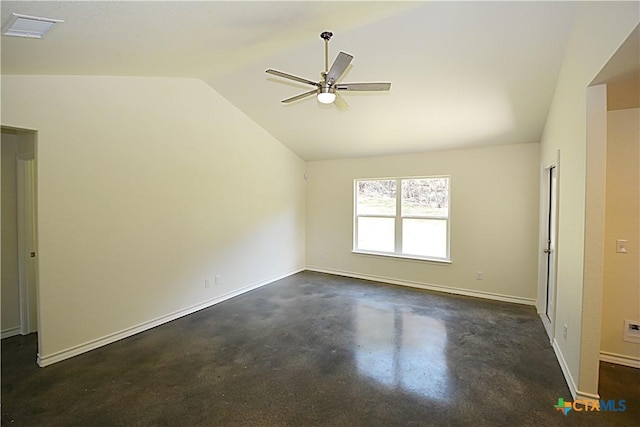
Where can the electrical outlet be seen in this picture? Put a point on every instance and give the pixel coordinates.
(207, 282)
(564, 331)
(218, 280)
(479, 275)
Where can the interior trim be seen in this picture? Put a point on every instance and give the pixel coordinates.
(427, 286)
(620, 359)
(125, 333)
(10, 332)
(565, 369)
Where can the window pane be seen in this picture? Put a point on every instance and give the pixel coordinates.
(376, 234)
(425, 197)
(425, 237)
(376, 197)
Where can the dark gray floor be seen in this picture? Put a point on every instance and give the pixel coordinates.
(313, 349)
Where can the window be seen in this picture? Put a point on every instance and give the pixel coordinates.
(405, 217)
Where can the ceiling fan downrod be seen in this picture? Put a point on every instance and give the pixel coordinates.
(326, 36)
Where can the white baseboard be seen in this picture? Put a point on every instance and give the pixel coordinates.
(565, 369)
(575, 393)
(50, 359)
(582, 396)
(428, 286)
(620, 359)
(10, 332)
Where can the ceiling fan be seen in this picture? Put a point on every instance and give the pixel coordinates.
(327, 88)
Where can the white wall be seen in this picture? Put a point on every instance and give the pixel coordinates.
(494, 218)
(147, 186)
(10, 279)
(621, 284)
(599, 29)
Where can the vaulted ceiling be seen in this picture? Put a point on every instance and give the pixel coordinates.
(463, 74)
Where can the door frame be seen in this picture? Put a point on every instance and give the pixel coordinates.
(545, 218)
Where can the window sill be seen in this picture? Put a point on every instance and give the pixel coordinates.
(413, 258)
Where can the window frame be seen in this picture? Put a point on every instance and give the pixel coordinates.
(398, 221)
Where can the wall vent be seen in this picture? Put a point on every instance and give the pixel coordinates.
(28, 26)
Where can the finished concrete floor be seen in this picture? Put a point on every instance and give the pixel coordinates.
(313, 349)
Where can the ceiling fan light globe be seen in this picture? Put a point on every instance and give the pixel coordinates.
(326, 97)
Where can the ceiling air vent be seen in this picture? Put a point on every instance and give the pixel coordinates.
(28, 26)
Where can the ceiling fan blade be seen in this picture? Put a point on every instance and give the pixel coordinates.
(302, 95)
(363, 86)
(340, 103)
(339, 66)
(291, 77)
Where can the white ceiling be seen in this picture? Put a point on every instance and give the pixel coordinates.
(463, 73)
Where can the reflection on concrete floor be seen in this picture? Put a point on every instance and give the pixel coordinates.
(402, 349)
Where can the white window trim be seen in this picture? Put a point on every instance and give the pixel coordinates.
(398, 224)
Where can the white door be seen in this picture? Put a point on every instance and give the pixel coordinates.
(27, 262)
(549, 250)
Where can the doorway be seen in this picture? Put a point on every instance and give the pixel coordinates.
(549, 251)
(548, 245)
(19, 234)
(610, 289)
